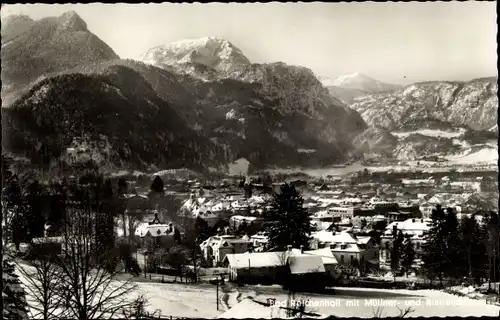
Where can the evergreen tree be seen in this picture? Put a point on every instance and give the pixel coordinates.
(105, 218)
(492, 244)
(454, 255)
(157, 186)
(202, 230)
(35, 219)
(13, 295)
(473, 242)
(122, 186)
(434, 256)
(396, 251)
(291, 222)
(14, 211)
(407, 255)
(57, 207)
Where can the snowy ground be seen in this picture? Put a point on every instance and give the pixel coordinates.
(485, 155)
(200, 300)
(431, 133)
(360, 302)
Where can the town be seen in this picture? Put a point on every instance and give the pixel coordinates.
(180, 226)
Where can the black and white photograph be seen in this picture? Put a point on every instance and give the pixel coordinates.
(250, 160)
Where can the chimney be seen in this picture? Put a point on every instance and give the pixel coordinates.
(289, 248)
(301, 249)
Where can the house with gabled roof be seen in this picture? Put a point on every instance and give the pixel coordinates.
(275, 267)
(215, 249)
(158, 233)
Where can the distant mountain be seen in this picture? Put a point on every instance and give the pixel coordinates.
(31, 49)
(349, 87)
(212, 52)
(473, 104)
(362, 82)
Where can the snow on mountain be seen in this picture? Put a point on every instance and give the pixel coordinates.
(212, 52)
(326, 81)
(363, 82)
(473, 104)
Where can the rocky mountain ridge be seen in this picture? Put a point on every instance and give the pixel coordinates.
(473, 104)
(223, 109)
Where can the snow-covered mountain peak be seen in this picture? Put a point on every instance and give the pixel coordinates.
(214, 52)
(354, 79)
(363, 82)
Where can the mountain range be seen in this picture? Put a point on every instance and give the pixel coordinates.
(202, 104)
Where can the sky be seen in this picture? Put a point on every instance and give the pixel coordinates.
(391, 42)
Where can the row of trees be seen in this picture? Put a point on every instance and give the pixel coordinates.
(453, 248)
(76, 279)
(463, 248)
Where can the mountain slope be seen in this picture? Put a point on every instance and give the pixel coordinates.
(35, 48)
(114, 118)
(346, 95)
(473, 104)
(267, 113)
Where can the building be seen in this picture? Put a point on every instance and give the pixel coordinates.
(275, 267)
(215, 249)
(348, 248)
(415, 229)
(158, 234)
(259, 240)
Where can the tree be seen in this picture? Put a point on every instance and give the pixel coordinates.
(492, 244)
(43, 280)
(202, 228)
(14, 211)
(177, 258)
(407, 255)
(91, 290)
(105, 210)
(454, 255)
(13, 296)
(396, 252)
(57, 206)
(434, 256)
(35, 216)
(474, 244)
(157, 186)
(291, 222)
(122, 186)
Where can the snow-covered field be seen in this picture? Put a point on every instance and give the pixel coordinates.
(431, 133)
(199, 300)
(485, 155)
(363, 303)
(176, 300)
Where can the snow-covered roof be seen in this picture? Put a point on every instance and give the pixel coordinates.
(301, 264)
(154, 230)
(256, 259)
(326, 255)
(330, 237)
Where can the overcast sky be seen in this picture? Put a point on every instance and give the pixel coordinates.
(393, 42)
